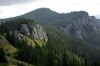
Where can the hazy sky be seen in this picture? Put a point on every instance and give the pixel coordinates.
(11, 8)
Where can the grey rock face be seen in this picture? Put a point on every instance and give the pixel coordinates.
(34, 30)
(30, 34)
(22, 38)
(75, 29)
(25, 29)
(78, 28)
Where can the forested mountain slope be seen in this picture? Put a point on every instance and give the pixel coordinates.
(77, 23)
(20, 47)
(70, 39)
(18, 37)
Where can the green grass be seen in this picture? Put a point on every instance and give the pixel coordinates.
(7, 47)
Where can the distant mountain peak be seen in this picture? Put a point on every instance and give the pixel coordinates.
(43, 9)
(79, 14)
(45, 15)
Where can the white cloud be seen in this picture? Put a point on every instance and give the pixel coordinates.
(11, 2)
(91, 6)
(16, 10)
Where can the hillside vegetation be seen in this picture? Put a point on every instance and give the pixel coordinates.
(63, 40)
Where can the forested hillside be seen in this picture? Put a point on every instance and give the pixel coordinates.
(79, 26)
(70, 39)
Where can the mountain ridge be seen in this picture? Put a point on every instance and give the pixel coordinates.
(52, 16)
(71, 39)
(46, 13)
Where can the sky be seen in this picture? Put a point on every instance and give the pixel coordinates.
(12, 8)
